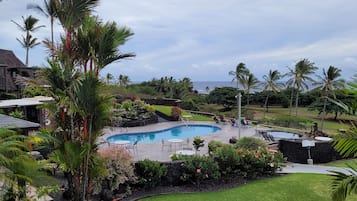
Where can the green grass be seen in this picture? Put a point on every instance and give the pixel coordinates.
(343, 163)
(167, 110)
(292, 187)
(330, 126)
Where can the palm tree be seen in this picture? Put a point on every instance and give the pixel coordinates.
(329, 82)
(71, 15)
(299, 77)
(49, 10)
(239, 73)
(123, 80)
(17, 166)
(109, 78)
(29, 26)
(345, 184)
(249, 82)
(271, 84)
(346, 144)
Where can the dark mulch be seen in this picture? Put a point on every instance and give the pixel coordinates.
(207, 186)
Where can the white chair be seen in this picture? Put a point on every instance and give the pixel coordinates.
(187, 145)
(133, 147)
(163, 144)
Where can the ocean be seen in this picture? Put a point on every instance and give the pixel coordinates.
(204, 87)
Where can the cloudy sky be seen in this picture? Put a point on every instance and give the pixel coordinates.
(205, 39)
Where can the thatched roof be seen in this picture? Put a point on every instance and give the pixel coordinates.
(9, 59)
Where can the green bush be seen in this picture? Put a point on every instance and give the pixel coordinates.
(228, 160)
(251, 143)
(176, 112)
(150, 172)
(178, 157)
(247, 163)
(189, 104)
(199, 168)
(214, 145)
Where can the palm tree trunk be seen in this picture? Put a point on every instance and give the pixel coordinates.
(291, 105)
(86, 167)
(266, 104)
(296, 107)
(27, 56)
(248, 99)
(52, 40)
(323, 113)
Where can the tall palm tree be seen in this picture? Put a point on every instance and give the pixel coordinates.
(49, 10)
(271, 83)
(105, 47)
(239, 73)
(123, 80)
(71, 15)
(329, 82)
(29, 26)
(249, 82)
(109, 78)
(299, 76)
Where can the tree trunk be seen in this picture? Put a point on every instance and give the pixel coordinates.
(296, 107)
(27, 56)
(266, 105)
(291, 106)
(323, 113)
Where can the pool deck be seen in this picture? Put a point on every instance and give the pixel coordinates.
(155, 151)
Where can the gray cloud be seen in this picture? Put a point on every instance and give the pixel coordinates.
(204, 40)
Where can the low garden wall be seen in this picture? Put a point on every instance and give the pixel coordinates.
(140, 122)
(166, 117)
(323, 152)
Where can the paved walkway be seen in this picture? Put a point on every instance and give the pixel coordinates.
(317, 169)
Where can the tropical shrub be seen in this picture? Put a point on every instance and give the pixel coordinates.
(251, 143)
(178, 157)
(176, 112)
(198, 143)
(228, 160)
(150, 172)
(119, 169)
(214, 145)
(189, 104)
(199, 168)
(247, 163)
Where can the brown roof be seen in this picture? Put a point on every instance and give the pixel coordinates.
(9, 59)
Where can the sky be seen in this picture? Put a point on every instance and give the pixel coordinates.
(205, 39)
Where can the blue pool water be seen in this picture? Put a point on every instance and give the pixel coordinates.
(174, 132)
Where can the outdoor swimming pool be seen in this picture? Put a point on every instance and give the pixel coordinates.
(284, 135)
(181, 132)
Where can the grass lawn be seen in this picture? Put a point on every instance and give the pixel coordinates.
(167, 110)
(342, 163)
(330, 126)
(292, 187)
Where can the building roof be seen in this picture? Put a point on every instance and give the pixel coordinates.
(18, 103)
(11, 122)
(9, 59)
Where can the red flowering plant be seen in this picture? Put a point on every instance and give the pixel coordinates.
(199, 168)
(119, 169)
